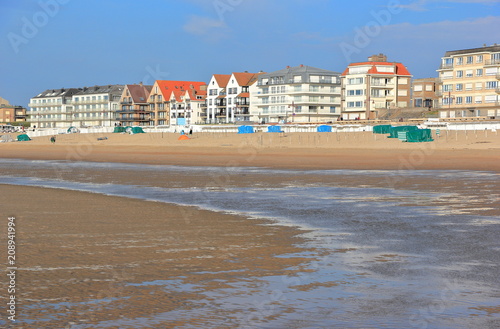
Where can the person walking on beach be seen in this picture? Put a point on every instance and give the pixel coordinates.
(53, 139)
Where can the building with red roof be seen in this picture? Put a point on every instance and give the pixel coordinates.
(375, 84)
(176, 102)
(216, 98)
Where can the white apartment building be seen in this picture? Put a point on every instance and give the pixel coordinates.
(188, 106)
(238, 103)
(470, 83)
(216, 98)
(52, 108)
(376, 84)
(298, 94)
(96, 106)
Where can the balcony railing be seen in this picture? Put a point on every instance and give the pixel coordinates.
(495, 61)
(446, 66)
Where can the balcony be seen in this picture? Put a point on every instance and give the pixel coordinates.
(492, 62)
(382, 84)
(446, 66)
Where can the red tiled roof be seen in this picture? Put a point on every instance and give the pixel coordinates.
(243, 95)
(400, 68)
(222, 79)
(167, 87)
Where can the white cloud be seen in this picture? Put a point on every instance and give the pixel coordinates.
(484, 28)
(206, 27)
(421, 5)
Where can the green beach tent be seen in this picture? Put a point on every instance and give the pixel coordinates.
(394, 130)
(418, 136)
(136, 130)
(23, 138)
(119, 130)
(382, 129)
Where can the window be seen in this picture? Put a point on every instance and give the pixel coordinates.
(459, 87)
(468, 86)
(355, 81)
(354, 104)
(478, 99)
(460, 60)
(314, 88)
(468, 100)
(447, 87)
(479, 85)
(459, 100)
(468, 74)
(332, 109)
(417, 88)
(479, 72)
(470, 59)
(491, 84)
(429, 87)
(357, 92)
(460, 74)
(479, 58)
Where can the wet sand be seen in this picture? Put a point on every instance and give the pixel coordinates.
(88, 260)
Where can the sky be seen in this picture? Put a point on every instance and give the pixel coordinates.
(52, 44)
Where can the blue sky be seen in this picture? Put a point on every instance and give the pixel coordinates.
(49, 44)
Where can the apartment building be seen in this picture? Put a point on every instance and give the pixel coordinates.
(96, 106)
(373, 85)
(177, 102)
(52, 108)
(10, 114)
(239, 88)
(469, 83)
(298, 94)
(216, 98)
(423, 93)
(135, 108)
(188, 104)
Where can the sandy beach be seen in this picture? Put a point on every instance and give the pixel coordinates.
(345, 150)
(86, 258)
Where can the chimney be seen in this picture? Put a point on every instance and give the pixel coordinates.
(378, 58)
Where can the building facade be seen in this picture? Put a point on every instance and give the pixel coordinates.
(216, 98)
(469, 83)
(11, 114)
(238, 107)
(52, 108)
(135, 108)
(298, 94)
(177, 102)
(424, 93)
(96, 106)
(372, 85)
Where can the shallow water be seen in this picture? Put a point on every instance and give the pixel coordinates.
(409, 249)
